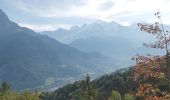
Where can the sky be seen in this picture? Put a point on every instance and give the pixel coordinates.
(44, 15)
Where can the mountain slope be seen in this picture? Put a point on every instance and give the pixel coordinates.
(30, 60)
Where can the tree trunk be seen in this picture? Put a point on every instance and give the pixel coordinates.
(168, 70)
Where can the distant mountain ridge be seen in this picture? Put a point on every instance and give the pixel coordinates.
(97, 29)
(31, 60)
(109, 38)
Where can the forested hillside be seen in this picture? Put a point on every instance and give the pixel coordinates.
(99, 89)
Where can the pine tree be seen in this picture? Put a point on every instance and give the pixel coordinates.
(87, 89)
(115, 95)
(5, 87)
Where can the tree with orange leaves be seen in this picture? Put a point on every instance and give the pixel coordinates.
(163, 39)
(150, 69)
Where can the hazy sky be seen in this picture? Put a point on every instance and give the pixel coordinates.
(42, 15)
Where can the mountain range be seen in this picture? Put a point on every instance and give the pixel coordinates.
(108, 38)
(29, 60)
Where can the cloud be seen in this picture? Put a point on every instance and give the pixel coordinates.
(46, 8)
(45, 4)
(131, 17)
(44, 27)
(106, 5)
(77, 12)
(147, 5)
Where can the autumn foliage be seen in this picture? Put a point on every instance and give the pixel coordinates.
(148, 67)
(152, 71)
